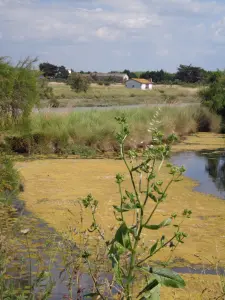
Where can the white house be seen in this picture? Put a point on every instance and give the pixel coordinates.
(136, 83)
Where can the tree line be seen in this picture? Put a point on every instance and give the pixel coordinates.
(185, 74)
(21, 86)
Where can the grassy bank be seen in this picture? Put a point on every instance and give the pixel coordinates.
(120, 95)
(84, 133)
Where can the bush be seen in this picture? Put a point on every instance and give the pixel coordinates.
(213, 97)
(9, 180)
(19, 91)
(54, 103)
(45, 91)
(207, 121)
(78, 82)
(83, 151)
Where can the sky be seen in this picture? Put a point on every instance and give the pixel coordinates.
(105, 35)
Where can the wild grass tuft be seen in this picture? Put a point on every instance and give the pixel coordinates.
(55, 133)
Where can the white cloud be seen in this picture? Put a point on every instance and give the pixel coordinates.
(184, 29)
(136, 6)
(107, 33)
(141, 22)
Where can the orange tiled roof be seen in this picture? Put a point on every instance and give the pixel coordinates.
(141, 80)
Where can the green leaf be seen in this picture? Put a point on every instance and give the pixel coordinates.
(156, 189)
(153, 248)
(165, 223)
(167, 277)
(153, 197)
(115, 252)
(122, 236)
(131, 196)
(149, 287)
(126, 207)
(162, 240)
(118, 274)
(154, 294)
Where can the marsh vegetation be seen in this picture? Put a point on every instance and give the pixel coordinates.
(132, 216)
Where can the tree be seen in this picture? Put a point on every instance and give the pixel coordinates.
(48, 70)
(78, 82)
(190, 74)
(19, 92)
(130, 74)
(62, 73)
(127, 72)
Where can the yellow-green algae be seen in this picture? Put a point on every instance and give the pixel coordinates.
(201, 141)
(52, 188)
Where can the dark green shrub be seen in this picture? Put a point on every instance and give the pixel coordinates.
(213, 97)
(9, 180)
(78, 82)
(83, 151)
(54, 103)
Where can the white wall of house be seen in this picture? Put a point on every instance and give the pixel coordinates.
(132, 84)
(125, 77)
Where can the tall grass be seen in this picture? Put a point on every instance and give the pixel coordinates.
(96, 129)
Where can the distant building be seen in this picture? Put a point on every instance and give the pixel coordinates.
(136, 83)
(113, 77)
(69, 71)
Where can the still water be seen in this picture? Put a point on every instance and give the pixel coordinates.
(207, 168)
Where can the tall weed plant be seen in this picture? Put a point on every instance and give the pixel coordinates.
(135, 276)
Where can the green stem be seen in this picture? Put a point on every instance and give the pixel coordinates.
(30, 264)
(133, 184)
(94, 281)
(121, 201)
(150, 255)
(157, 204)
(148, 183)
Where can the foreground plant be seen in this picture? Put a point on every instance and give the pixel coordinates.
(131, 264)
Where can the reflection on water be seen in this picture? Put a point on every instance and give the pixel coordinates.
(207, 168)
